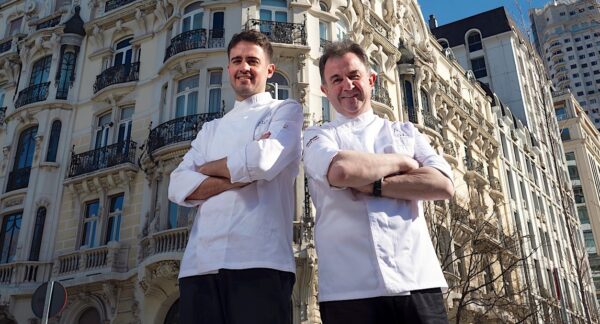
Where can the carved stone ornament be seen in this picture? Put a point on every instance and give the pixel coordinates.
(166, 269)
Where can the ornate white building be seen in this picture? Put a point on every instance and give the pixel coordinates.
(103, 97)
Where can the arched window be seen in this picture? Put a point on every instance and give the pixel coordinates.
(341, 29)
(9, 236)
(323, 6)
(40, 70)
(38, 231)
(425, 102)
(54, 138)
(278, 86)
(193, 15)
(173, 314)
(474, 41)
(444, 43)
(19, 177)
(67, 74)
(89, 316)
(409, 102)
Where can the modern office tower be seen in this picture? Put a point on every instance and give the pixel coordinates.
(581, 141)
(567, 37)
(102, 99)
(540, 202)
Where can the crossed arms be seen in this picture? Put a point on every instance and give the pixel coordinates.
(403, 178)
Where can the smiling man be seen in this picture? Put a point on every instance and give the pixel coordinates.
(367, 177)
(238, 266)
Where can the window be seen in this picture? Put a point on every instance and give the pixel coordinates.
(123, 53)
(577, 84)
(186, 101)
(113, 228)
(474, 41)
(217, 26)
(19, 177)
(90, 221)
(573, 66)
(278, 86)
(579, 197)
(326, 113)
(575, 75)
(425, 102)
(570, 156)
(573, 172)
(192, 17)
(323, 6)
(569, 49)
(9, 236)
(38, 231)
(409, 101)
(54, 139)
(588, 83)
(590, 244)
(579, 48)
(444, 43)
(102, 130)
(40, 70)
(273, 10)
(583, 215)
(478, 67)
(14, 27)
(584, 65)
(67, 75)
(586, 74)
(214, 91)
(323, 33)
(341, 30)
(125, 123)
(179, 215)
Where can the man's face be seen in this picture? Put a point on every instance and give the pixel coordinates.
(348, 85)
(248, 68)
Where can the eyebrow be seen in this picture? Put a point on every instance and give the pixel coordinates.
(247, 57)
(353, 72)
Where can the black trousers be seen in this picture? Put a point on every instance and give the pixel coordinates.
(422, 306)
(248, 296)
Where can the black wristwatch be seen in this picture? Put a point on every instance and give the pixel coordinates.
(377, 187)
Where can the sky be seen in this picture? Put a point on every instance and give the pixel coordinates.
(447, 11)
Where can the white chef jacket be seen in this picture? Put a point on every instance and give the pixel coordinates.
(368, 246)
(249, 227)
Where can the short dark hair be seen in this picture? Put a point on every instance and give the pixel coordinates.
(252, 36)
(339, 49)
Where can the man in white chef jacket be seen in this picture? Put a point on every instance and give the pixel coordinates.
(238, 266)
(367, 177)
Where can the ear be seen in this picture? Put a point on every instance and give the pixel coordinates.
(270, 70)
(324, 89)
(372, 79)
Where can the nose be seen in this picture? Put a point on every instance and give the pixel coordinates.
(347, 84)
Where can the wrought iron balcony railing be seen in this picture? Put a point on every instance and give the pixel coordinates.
(178, 130)
(117, 74)
(194, 39)
(101, 158)
(2, 115)
(114, 4)
(48, 23)
(18, 179)
(6, 46)
(280, 32)
(381, 94)
(31, 94)
(431, 121)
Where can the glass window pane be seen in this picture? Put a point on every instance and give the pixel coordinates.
(281, 16)
(38, 231)
(180, 106)
(11, 227)
(192, 104)
(188, 83)
(218, 20)
(198, 20)
(215, 77)
(282, 94)
(265, 14)
(54, 139)
(214, 100)
(186, 24)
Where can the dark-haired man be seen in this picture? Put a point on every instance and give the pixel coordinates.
(238, 266)
(368, 176)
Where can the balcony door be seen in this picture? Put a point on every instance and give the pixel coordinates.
(272, 10)
(26, 149)
(123, 53)
(186, 102)
(40, 71)
(192, 17)
(102, 131)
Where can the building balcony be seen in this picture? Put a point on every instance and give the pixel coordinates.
(24, 272)
(164, 245)
(114, 4)
(381, 95)
(2, 115)
(432, 122)
(475, 169)
(102, 158)
(31, 94)
(121, 73)
(178, 130)
(18, 179)
(107, 259)
(554, 46)
(5, 46)
(195, 39)
(53, 22)
(324, 42)
(280, 32)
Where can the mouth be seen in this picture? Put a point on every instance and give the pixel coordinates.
(244, 77)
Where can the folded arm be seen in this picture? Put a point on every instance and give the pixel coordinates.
(213, 186)
(356, 169)
(425, 183)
